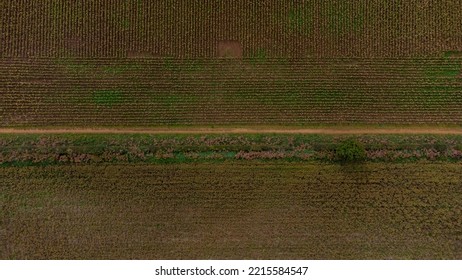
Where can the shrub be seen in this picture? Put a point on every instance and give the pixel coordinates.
(350, 151)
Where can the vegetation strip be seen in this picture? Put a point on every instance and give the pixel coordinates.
(40, 149)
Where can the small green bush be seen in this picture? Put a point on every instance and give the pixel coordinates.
(350, 151)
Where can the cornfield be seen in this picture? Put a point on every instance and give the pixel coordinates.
(192, 28)
(148, 92)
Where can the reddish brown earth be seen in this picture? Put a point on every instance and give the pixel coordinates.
(230, 49)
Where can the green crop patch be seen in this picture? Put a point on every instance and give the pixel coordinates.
(125, 23)
(258, 56)
(453, 54)
(107, 97)
(449, 69)
(327, 95)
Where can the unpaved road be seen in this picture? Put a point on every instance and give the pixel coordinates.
(334, 131)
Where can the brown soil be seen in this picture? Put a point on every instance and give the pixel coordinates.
(335, 131)
(230, 49)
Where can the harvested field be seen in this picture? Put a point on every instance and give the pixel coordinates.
(154, 91)
(232, 211)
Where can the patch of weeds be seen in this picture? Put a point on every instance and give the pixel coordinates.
(193, 66)
(107, 97)
(452, 54)
(180, 157)
(229, 155)
(437, 95)
(72, 66)
(125, 24)
(441, 83)
(169, 63)
(327, 96)
(118, 69)
(443, 70)
(258, 57)
(350, 151)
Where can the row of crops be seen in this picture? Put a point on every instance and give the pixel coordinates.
(192, 28)
(149, 92)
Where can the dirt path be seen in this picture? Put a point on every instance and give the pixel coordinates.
(237, 131)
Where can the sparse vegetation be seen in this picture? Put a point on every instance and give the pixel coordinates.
(226, 210)
(65, 149)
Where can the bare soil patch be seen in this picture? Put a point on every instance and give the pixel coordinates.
(230, 49)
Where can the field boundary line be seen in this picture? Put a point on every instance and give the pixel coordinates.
(333, 131)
